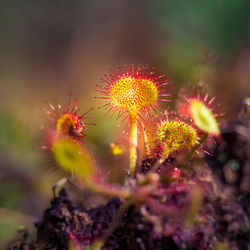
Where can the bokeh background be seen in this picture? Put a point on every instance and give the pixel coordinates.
(50, 49)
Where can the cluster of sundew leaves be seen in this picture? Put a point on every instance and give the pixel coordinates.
(188, 129)
(132, 94)
(132, 89)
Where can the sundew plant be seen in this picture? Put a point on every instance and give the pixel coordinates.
(170, 200)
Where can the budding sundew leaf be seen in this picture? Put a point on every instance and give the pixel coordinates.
(65, 121)
(203, 118)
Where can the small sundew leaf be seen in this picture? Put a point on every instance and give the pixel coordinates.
(65, 121)
(176, 135)
(73, 158)
(203, 118)
(116, 149)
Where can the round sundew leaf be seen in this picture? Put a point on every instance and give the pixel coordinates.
(204, 118)
(132, 90)
(176, 136)
(72, 157)
(133, 94)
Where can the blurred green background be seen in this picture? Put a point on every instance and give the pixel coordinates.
(50, 49)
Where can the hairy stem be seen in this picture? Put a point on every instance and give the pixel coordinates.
(146, 143)
(106, 189)
(133, 146)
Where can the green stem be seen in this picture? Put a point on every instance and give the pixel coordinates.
(133, 146)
